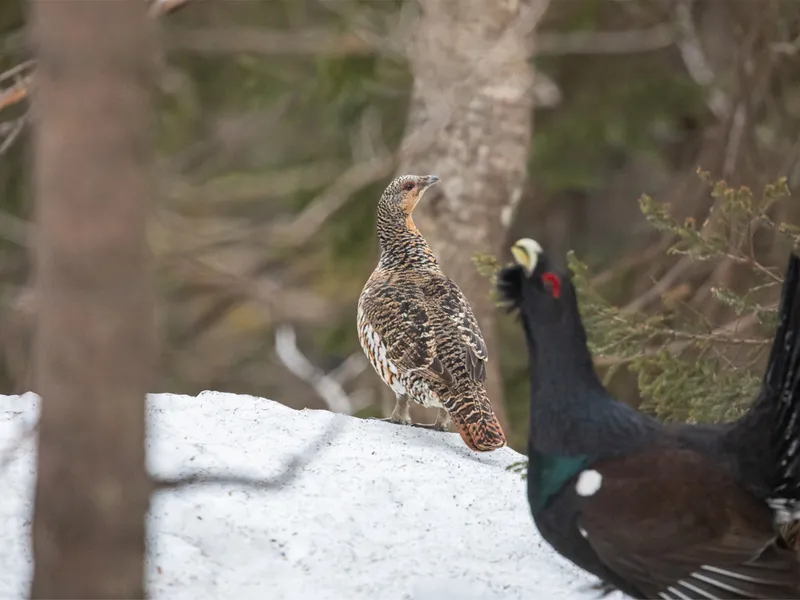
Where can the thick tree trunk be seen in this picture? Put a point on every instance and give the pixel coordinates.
(94, 335)
(470, 123)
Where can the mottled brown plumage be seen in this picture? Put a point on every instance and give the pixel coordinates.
(417, 328)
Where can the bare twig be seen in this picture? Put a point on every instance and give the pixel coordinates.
(303, 227)
(231, 134)
(717, 337)
(631, 262)
(697, 64)
(755, 265)
(234, 40)
(17, 71)
(352, 367)
(686, 264)
(661, 286)
(734, 140)
(328, 388)
(722, 335)
(166, 7)
(280, 303)
(316, 214)
(629, 41)
(309, 221)
(20, 79)
(365, 40)
(22, 74)
(367, 140)
(255, 186)
(787, 48)
(12, 134)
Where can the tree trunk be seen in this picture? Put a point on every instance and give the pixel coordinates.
(470, 123)
(94, 334)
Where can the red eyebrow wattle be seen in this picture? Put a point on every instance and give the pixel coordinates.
(554, 281)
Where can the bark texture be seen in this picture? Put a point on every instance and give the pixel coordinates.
(470, 123)
(94, 342)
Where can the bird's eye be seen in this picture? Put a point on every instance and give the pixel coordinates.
(408, 186)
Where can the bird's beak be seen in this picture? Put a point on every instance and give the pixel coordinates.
(429, 181)
(423, 183)
(526, 254)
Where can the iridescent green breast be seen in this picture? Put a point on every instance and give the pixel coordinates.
(548, 474)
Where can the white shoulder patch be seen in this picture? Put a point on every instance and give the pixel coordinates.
(589, 482)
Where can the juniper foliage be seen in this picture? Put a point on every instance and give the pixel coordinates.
(687, 368)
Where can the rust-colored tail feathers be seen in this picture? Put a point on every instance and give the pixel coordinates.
(476, 422)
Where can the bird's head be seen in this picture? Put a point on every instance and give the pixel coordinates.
(533, 284)
(402, 195)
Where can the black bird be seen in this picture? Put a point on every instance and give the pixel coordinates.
(656, 510)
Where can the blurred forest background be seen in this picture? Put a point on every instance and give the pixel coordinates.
(281, 121)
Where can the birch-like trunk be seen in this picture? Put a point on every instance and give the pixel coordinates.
(470, 123)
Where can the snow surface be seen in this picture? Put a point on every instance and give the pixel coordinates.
(380, 511)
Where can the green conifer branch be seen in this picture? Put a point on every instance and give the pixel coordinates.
(679, 361)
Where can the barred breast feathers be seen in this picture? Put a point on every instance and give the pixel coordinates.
(416, 326)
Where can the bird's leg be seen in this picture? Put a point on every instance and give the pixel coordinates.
(442, 422)
(400, 414)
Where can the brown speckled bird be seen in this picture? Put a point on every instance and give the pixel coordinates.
(417, 328)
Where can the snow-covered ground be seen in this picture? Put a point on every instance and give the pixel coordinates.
(379, 511)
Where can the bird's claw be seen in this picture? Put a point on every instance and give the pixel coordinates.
(431, 426)
(392, 420)
(399, 421)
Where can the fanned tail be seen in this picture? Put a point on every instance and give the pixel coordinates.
(509, 285)
(782, 392)
(475, 420)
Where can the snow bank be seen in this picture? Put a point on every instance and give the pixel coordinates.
(381, 511)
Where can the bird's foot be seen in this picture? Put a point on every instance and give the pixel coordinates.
(398, 421)
(432, 426)
(393, 420)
